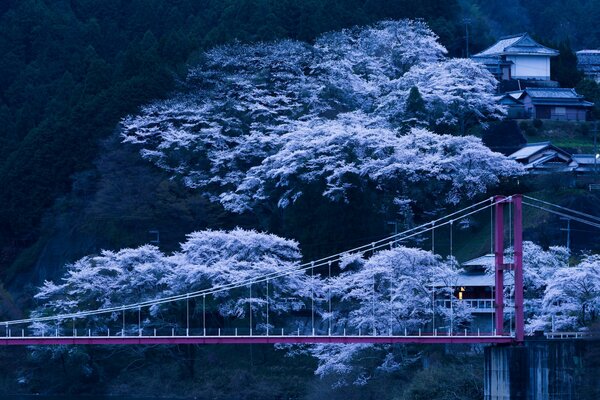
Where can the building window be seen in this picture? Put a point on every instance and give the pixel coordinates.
(560, 110)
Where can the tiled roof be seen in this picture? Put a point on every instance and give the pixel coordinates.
(516, 44)
(553, 96)
(589, 61)
(584, 159)
(483, 261)
(529, 149)
(554, 93)
(477, 279)
(546, 163)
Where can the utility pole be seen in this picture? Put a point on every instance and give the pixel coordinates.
(568, 229)
(467, 21)
(156, 234)
(596, 155)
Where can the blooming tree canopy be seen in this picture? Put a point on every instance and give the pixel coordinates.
(571, 298)
(255, 124)
(207, 259)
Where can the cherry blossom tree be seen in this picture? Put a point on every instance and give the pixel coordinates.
(339, 153)
(207, 259)
(387, 293)
(539, 266)
(390, 291)
(572, 297)
(245, 110)
(457, 92)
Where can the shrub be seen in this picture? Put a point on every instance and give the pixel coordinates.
(523, 125)
(504, 137)
(583, 129)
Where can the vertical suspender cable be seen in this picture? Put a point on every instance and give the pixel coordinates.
(267, 307)
(187, 315)
(452, 287)
(250, 308)
(204, 314)
(451, 239)
(123, 331)
(329, 295)
(373, 305)
(433, 237)
(139, 320)
(391, 304)
(491, 225)
(433, 308)
(312, 296)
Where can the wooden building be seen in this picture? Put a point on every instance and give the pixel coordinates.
(588, 62)
(561, 104)
(517, 57)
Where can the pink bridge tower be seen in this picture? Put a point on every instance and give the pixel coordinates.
(516, 265)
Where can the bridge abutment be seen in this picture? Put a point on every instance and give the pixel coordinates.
(543, 370)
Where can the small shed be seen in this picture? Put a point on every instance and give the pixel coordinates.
(543, 157)
(514, 107)
(585, 163)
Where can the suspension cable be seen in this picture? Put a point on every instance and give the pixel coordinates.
(419, 230)
(564, 208)
(583, 221)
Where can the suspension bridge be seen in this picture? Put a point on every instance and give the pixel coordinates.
(77, 328)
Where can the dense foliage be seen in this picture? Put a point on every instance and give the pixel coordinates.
(323, 137)
(207, 259)
(259, 123)
(70, 70)
(553, 20)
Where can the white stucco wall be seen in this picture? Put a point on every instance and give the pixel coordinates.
(532, 67)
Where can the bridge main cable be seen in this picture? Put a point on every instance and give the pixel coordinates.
(379, 244)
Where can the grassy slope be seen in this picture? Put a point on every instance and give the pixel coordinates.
(577, 137)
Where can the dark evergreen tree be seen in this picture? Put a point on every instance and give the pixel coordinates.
(504, 137)
(564, 67)
(415, 110)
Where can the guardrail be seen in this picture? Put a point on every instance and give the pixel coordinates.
(567, 335)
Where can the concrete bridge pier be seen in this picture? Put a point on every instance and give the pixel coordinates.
(543, 370)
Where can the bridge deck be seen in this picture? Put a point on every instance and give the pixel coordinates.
(171, 340)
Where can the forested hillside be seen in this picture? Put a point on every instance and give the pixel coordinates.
(555, 21)
(70, 71)
(144, 145)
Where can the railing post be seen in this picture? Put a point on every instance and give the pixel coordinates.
(499, 263)
(518, 265)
